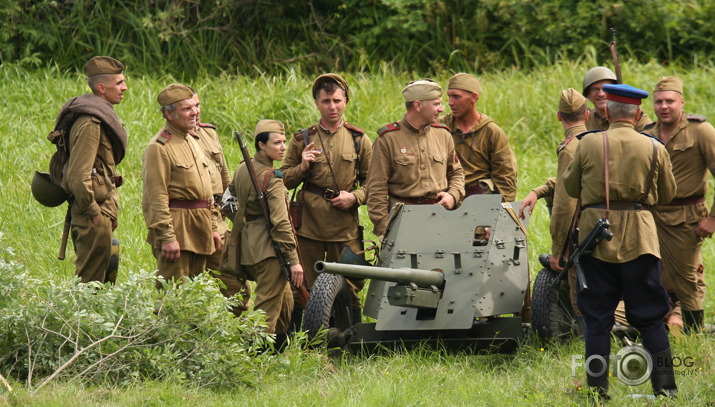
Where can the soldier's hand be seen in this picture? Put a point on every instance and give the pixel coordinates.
(554, 263)
(97, 219)
(445, 199)
(706, 227)
(529, 201)
(308, 156)
(114, 224)
(170, 251)
(344, 201)
(296, 274)
(217, 240)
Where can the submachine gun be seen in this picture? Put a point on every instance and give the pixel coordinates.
(599, 232)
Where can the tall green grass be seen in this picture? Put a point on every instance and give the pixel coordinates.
(523, 103)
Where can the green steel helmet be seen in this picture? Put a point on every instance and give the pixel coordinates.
(47, 192)
(596, 74)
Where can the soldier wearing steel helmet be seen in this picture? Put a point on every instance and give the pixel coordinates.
(619, 174)
(177, 199)
(330, 159)
(593, 83)
(686, 221)
(97, 143)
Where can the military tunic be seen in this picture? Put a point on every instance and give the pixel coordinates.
(175, 168)
(411, 163)
(484, 153)
(692, 151)
(257, 255)
(596, 122)
(88, 177)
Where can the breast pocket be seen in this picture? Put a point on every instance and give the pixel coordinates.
(404, 159)
(439, 161)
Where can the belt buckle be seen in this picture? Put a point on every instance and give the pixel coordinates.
(421, 201)
(638, 206)
(328, 194)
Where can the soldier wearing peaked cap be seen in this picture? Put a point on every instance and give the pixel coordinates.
(593, 83)
(97, 143)
(619, 175)
(685, 221)
(177, 199)
(487, 159)
(414, 160)
(572, 113)
(257, 255)
(330, 159)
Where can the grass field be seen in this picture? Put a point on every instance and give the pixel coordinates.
(522, 103)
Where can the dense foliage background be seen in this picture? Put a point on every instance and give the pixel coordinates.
(187, 37)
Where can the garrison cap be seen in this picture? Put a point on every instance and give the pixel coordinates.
(624, 93)
(571, 101)
(466, 82)
(331, 77)
(269, 126)
(103, 65)
(174, 93)
(669, 83)
(423, 89)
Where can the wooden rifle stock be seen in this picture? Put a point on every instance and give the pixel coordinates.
(614, 55)
(65, 233)
(285, 265)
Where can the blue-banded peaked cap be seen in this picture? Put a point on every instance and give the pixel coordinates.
(624, 93)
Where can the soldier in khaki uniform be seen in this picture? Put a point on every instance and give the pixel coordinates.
(257, 255)
(220, 178)
(177, 199)
(487, 160)
(333, 168)
(593, 83)
(684, 222)
(414, 160)
(639, 176)
(97, 143)
(572, 114)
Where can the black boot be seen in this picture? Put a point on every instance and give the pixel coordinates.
(581, 321)
(356, 316)
(663, 376)
(598, 383)
(296, 319)
(693, 321)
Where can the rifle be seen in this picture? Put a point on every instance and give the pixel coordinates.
(285, 264)
(598, 233)
(614, 55)
(65, 232)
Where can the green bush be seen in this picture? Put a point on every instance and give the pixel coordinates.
(123, 334)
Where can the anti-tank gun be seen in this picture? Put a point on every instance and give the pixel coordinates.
(455, 279)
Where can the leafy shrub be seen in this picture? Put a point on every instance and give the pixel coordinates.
(125, 333)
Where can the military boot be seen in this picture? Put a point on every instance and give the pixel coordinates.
(663, 376)
(581, 321)
(296, 319)
(693, 321)
(599, 382)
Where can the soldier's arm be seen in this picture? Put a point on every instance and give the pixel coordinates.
(377, 200)
(455, 173)
(282, 232)
(84, 146)
(365, 156)
(155, 195)
(503, 165)
(706, 143)
(292, 174)
(547, 189)
(572, 175)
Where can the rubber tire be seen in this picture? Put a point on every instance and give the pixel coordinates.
(552, 316)
(329, 305)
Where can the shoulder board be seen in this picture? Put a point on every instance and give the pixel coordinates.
(649, 126)
(301, 134)
(164, 137)
(209, 125)
(439, 126)
(695, 118)
(652, 137)
(580, 136)
(95, 120)
(388, 128)
(354, 129)
(564, 144)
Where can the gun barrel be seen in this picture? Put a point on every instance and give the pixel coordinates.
(424, 278)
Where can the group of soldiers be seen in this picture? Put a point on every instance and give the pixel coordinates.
(424, 158)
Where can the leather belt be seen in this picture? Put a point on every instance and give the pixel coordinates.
(476, 190)
(619, 206)
(196, 204)
(325, 193)
(691, 200)
(251, 218)
(415, 201)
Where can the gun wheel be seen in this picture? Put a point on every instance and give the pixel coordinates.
(329, 305)
(552, 315)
